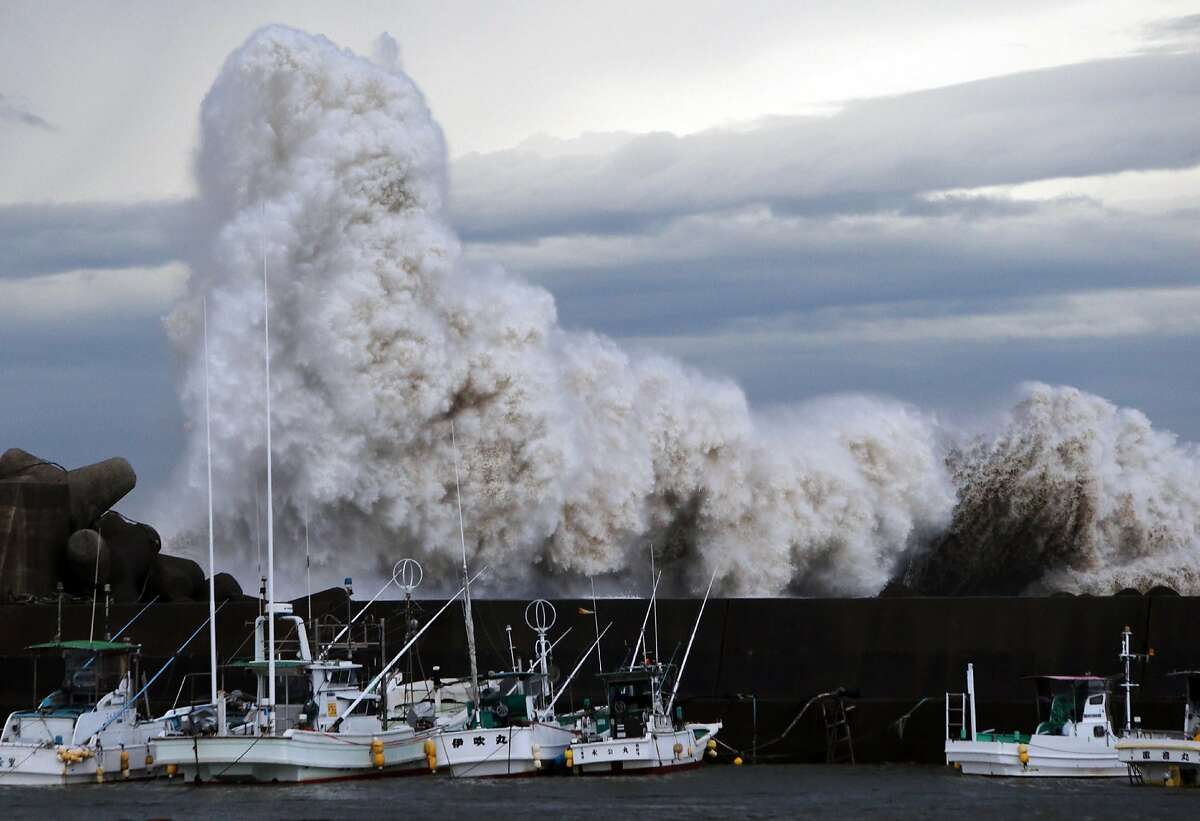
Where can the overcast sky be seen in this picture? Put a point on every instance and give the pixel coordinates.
(930, 200)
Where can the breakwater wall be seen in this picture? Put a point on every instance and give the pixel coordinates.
(754, 664)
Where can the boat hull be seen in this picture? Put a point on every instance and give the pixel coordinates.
(25, 765)
(503, 751)
(1046, 757)
(298, 756)
(1164, 762)
(654, 752)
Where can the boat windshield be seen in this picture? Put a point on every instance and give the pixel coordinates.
(87, 677)
(631, 695)
(342, 677)
(1065, 700)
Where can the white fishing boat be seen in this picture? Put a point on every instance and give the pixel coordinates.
(1074, 737)
(513, 730)
(639, 733)
(1164, 757)
(323, 728)
(88, 730)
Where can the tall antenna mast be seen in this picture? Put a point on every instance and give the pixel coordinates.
(654, 604)
(212, 569)
(307, 566)
(270, 505)
(258, 545)
(462, 537)
(1127, 656)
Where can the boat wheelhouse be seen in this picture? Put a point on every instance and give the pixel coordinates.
(1165, 757)
(88, 729)
(1073, 736)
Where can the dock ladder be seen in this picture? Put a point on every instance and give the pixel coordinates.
(839, 745)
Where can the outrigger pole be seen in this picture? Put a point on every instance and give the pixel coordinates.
(378, 678)
(682, 664)
(596, 620)
(582, 659)
(330, 645)
(128, 624)
(133, 701)
(646, 618)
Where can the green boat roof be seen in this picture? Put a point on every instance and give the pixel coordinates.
(84, 644)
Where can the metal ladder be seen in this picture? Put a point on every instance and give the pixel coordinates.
(956, 716)
(839, 745)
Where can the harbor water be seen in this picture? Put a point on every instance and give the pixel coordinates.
(713, 792)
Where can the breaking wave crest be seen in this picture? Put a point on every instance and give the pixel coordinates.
(1072, 493)
(575, 454)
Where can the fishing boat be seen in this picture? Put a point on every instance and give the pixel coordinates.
(323, 727)
(640, 734)
(1165, 757)
(1074, 737)
(513, 729)
(89, 729)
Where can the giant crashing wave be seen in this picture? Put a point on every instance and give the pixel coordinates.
(575, 455)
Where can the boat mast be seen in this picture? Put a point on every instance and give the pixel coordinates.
(654, 602)
(596, 620)
(1127, 656)
(971, 697)
(270, 507)
(212, 570)
(633, 660)
(462, 537)
(307, 567)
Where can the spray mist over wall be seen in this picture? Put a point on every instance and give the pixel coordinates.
(575, 454)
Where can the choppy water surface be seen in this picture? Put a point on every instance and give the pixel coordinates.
(716, 792)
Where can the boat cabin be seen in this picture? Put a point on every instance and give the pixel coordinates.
(511, 698)
(1073, 705)
(635, 699)
(97, 676)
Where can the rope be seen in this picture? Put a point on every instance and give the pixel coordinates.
(19, 763)
(903, 720)
(236, 760)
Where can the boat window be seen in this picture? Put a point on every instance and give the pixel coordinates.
(1096, 700)
(366, 707)
(341, 676)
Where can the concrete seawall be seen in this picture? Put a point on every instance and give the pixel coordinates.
(894, 651)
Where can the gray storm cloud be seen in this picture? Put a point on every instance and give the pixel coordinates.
(575, 453)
